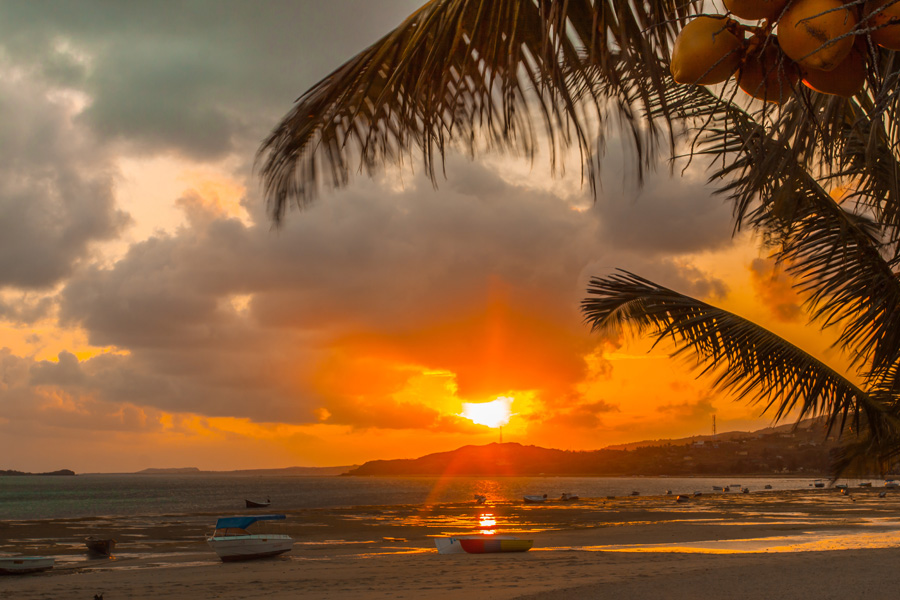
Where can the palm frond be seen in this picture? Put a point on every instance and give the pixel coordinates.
(743, 358)
(836, 255)
(457, 71)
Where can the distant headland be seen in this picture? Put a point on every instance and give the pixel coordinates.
(61, 472)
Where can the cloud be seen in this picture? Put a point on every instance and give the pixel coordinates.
(202, 78)
(775, 289)
(56, 189)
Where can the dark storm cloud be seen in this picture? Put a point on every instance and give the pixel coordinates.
(670, 214)
(56, 189)
(202, 77)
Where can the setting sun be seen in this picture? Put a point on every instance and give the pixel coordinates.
(492, 414)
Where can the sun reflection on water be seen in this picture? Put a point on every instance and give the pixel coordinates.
(488, 523)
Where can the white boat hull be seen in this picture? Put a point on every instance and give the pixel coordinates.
(15, 565)
(247, 547)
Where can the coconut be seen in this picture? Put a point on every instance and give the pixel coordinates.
(884, 20)
(814, 33)
(706, 51)
(754, 10)
(845, 80)
(766, 73)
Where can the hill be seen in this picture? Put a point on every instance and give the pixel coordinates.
(61, 472)
(803, 449)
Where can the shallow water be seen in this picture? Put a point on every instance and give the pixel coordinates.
(119, 495)
(337, 516)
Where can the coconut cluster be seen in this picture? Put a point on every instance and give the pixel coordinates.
(819, 42)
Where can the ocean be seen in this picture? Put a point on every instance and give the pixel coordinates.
(119, 495)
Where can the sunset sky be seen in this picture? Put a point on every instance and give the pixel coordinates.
(152, 317)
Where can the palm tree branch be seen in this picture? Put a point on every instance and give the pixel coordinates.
(743, 358)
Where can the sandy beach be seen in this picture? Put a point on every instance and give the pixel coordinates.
(799, 544)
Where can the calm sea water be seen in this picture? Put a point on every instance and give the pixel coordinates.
(122, 495)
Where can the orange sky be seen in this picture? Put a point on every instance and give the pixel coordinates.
(151, 317)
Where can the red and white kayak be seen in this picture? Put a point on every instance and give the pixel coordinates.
(485, 545)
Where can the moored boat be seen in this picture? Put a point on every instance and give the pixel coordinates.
(490, 545)
(534, 499)
(257, 504)
(451, 544)
(232, 542)
(100, 546)
(20, 565)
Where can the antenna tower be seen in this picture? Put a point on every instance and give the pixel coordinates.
(714, 425)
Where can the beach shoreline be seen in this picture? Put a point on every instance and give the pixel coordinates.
(783, 544)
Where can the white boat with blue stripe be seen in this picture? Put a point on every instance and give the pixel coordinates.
(232, 542)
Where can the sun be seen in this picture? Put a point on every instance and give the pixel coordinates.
(495, 413)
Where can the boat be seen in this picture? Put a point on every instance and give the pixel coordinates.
(19, 565)
(490, 545)
(890, 483)
(819, 483)
(568, 497)
(680, 498)
(100, 545)
(534, 499)
(451, 544)
(232, 542)
(257, 504)
(480, 498)
(865, 484)
(717, 488)
(768, 486)
(726, 489)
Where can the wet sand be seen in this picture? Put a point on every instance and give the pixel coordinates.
(816, 543)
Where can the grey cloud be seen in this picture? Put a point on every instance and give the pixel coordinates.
(56, 190)
(65, 372)
(671, 214)
(202, 78)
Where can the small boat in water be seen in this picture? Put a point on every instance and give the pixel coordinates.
(818, 483)
(100, 546)
(865, 484)
(232, 542)
(566, 497)
(490, 545)
(890, 483)
(20, 565)
(768, 486)
(257, 504)
(534, 499)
